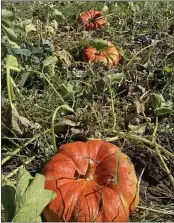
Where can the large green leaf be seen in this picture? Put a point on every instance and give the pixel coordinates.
(7, 15)
(50, 60)
(7, 198)
(12, 63)
(155, 100)
(157, 103)
(32, 198)
(11, 44)
(8, 25)
(9, 32)
(164, 110)
(115, 78)
(26, 26)
(30, 27)
(23, 180)
(58, 15)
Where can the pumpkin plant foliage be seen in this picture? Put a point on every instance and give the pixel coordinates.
(158, 105)
(11, 28)
(26, 201)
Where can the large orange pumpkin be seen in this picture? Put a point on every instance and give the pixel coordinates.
(94, 181)
(92, 20)
(109, 56)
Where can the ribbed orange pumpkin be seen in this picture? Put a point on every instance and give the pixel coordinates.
(84, 177)
(92, 20)
(110, 56)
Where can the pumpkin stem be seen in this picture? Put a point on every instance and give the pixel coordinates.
(89, 172)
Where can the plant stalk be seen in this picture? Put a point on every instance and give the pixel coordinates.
(25, 144)
(16, 170)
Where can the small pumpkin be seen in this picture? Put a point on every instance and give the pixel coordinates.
(108, 55)
(93, 180)
(92, 20)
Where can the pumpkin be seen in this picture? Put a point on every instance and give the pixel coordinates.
(93, 181)
(108, 55)
(92, 20)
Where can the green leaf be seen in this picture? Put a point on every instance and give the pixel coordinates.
(164, 110)
(155, 100)
(8, 197)
(11, 44)
(167, 69)
(115, 78)
(22, 24)
(25, 52)
(26, 25)
(24, 78)
(159, 105)
(9, 32)
(33, 200)
(67, 89)
(12, 63)
(23, 180)
(50, 60)
(58, 15)
(67, 107)
(99, 44)
(7, 15)
(27, 22)
(38, 219)
(8, 24)
(29, 28)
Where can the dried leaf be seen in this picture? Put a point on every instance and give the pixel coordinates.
(65, 123)
(18, 124)
(105, 8)
(140, 107)
(21, 125)
(64, 57)
(139, 130)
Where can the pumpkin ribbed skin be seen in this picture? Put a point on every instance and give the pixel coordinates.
(83, 176)
(92, 20)
(110, 56)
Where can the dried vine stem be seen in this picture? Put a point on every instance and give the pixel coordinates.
(140, 139)
(161, 159)
(17, 150)
(16, 170)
